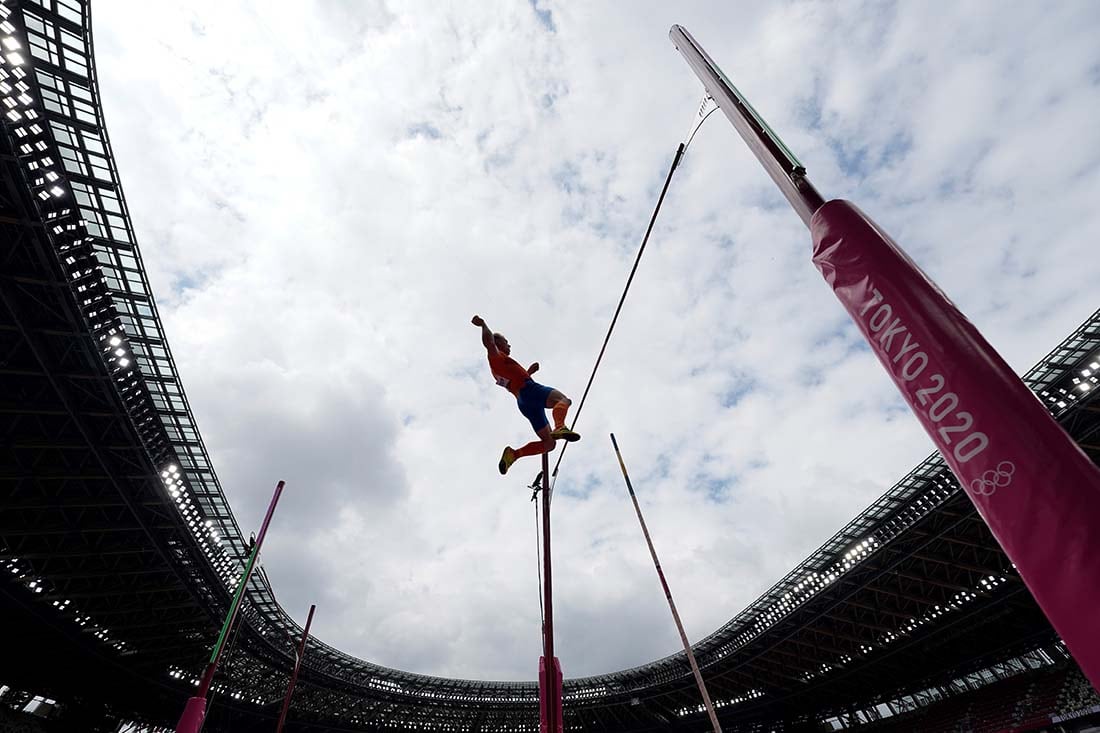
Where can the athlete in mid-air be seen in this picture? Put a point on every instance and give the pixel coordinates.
(532, 398)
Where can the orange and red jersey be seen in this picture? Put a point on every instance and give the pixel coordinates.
(507, 371)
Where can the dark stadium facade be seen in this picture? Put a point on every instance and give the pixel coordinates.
(119, 552)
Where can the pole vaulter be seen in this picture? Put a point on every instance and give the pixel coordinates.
(1034, 487)
(195, 711)
(533, 399)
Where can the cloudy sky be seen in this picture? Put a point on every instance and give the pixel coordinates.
(326, 191)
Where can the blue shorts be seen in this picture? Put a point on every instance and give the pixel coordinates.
(532, 403)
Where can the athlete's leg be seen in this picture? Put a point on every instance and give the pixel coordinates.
(532, 401)
(559, 405)
(544, 444)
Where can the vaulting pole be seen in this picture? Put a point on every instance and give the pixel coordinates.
(1035, 488)
(294, 674)
(195, 710)
(668, 595)
(550, 702)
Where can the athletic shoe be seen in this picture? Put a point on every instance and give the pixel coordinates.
(507, 458)
(564, 433)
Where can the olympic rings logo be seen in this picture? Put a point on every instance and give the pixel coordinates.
(993, 479)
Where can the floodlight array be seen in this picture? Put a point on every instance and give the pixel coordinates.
(64, 607)
(800, 591)
(67, 231)
(753, 694)
(803, 584)
(1064, 394)
(959, 601)
(219, 687)
(204, 531)
(1087, 380)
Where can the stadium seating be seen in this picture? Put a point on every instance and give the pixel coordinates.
(1076, 694)
(13, 722)
(1019, 704)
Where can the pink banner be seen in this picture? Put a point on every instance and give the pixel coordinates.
(544, 718)
(1037, 491)
(193, 714)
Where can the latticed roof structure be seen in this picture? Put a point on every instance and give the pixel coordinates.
(119, 552)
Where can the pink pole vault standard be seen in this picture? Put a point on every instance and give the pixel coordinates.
(294, 674)
(550, 703)
(195, 710)
(668, 596)
(1033, 486)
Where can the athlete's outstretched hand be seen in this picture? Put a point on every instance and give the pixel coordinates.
(532, 369)
(477, 321)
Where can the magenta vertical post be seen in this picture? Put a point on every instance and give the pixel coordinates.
(294, 674)
(195, 710)
(1035, 488)
(1032, 485)
(549, 670)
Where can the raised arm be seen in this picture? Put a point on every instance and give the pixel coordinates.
(486, 334)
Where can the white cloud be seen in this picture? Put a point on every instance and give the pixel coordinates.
(326, 193)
